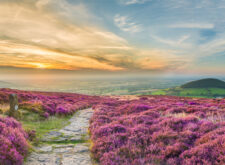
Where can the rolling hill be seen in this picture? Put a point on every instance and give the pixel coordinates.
(210, 88)
(205, 83)
(4, 84)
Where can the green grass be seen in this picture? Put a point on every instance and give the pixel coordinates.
(33, 121)
(44, 126)
(217, 91)
(66, 142)
(192, 92)
(159, 92)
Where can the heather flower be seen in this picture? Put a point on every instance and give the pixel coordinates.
(13, 144)
(46, 115)
(151, 131)
(52, 103)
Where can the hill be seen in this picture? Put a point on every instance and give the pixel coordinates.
(210, 88)
(4, 84)
(205, 83)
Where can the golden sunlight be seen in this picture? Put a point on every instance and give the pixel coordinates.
(39, 65)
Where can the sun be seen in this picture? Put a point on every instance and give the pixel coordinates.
(39, 65)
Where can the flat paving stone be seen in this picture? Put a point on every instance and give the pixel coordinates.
(44, 149)
(79, 148)
(43, 159)
(76, 159)
(65, 154)
(62, 150)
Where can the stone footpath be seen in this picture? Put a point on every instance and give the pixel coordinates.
(68, 146)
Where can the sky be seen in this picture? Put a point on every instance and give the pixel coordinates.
(113, 36)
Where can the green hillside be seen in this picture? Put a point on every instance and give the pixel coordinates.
(192, 92)
(211, 88)
(205, 83)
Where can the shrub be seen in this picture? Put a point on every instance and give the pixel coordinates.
(150, 131)
(13, 144)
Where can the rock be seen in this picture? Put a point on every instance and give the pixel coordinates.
(81, 148)
(14, 106)
(44, 149)
(76, 159)
(13, 101)
(62, 150)
(76, 138)
(43, 159)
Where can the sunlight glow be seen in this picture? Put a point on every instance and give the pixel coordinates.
(39, 65)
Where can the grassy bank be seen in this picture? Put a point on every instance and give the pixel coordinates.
(44, 126)
(34, 121)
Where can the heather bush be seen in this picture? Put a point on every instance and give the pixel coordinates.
(159, 130)
(13, 144)
(209, 153)
(50, 103)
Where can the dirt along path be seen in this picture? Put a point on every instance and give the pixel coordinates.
(68, 146)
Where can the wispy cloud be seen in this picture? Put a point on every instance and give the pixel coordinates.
(154, 59)
(54, 34)
(130, 2)
(174, 43)
(126, 24)
(193, 25)
(212, 47)
(39, 37)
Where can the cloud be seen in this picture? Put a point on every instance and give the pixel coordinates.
(154, 59)
(33, 56)
(126, 24)
(212, 47)
(130, 2)
(193, 25)
(41, 36)
(174, 43)
(52, 34)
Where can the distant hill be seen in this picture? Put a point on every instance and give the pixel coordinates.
(211, 88)
(4, 84)
(205, 83)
